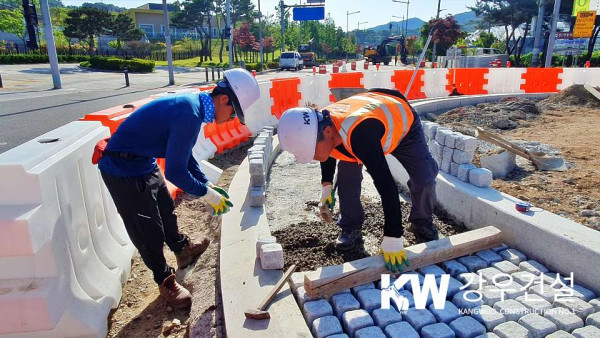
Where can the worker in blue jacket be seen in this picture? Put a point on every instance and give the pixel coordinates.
(168, 128)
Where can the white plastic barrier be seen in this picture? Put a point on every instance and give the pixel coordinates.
(63, 249)
(580, 76)
(505, 80)
(315, 89)
(435, 82)
(259, 114)
(378, 79)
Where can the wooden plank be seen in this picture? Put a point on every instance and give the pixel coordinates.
(331, 279)
(592, 90)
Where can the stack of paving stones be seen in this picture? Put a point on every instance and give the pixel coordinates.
(270, 253)
(454, 153)
(258, 157)
(474, 305)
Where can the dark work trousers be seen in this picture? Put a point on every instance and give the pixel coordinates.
(414, 155)
(147, 210)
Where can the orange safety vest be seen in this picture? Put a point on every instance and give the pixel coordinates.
(393, 112)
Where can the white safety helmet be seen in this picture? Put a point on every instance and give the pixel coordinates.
(245, 88)
(297, 131)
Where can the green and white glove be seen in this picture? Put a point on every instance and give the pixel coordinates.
(327, 203)
(220, 203)
(394, 255)
(218, 189)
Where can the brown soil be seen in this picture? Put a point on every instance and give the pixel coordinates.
(142, 313)
(309, 245)
(568, 121)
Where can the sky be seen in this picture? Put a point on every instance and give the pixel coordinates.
(374, 12)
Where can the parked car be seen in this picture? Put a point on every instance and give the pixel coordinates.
(290, 60)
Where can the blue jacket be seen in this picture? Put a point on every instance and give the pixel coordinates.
(166, 127)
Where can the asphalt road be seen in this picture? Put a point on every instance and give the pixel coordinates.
(29, 107)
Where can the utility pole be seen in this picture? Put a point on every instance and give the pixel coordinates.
(552, 36)
(406, 22)
(228, 29)
(347, 31)
(434, 48)
(168, 41)
(282, 11)
(50, 44)
(260, 38)
(537, 35)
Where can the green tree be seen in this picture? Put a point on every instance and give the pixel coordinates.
(193, 14)
(11, 21)
(485, 40)
(123, 28)
(87, 22)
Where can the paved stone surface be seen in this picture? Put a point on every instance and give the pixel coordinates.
(257, 196)
(356, 320)
(512, 255)
(488, 317)
(467, 299)
(369, 332)
(454, 287)
(466, 143)
(467, 327)
(303, 297)
(489, 256)
(450, 140)
(512, 290)
(344, 302)
(512, 330)
(385, 317)
(431, 270)
(341, 335)
(534, 267)
(534, 303)
(296, 280)
(462, 157)
(492, 295)
(545, 291)
(493, 275)
(506, 267)
(453, 268)
(472, 281)
(418, 318)
(316, 309)
(473, 263)
(401, 330)
(454, 167)
(580, 292)
(500, 247)
(587, 332)
(564, 319)
(560, 334)
(488, 335)
(511, 309)
(357, 289)
(326, 326)
(406, 294)
(449, 313)
(370, 299)
(537, 325)
(578, 306)
(593, 319)
(525, 278)
(596, 304)
(439, 330)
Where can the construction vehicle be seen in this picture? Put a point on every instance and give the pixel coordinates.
(386, 50)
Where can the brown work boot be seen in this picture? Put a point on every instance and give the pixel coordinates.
(176, 295)
(191, 251)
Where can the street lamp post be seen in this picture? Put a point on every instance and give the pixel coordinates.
(402, 19)
(347, 31)
(406, 22)
(361, 23)
(260, 38)
(434, 48)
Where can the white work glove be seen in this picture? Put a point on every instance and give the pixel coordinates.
(327, 203)
(393, 252)
(220, 203)
(218, 189)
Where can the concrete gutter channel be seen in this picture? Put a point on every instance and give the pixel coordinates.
(543, 241)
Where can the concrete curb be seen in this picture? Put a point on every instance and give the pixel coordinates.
(243, 282)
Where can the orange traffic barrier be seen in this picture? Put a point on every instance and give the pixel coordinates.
(401, 78)
(467, 81)
(366, 65)
(285, 95)
(345, 80)
(336, 69)
(253, 73)
(227, 135)
(377, 66)
(314, 70)
(353, 65)
(587, 64)
(322, 69)
(435, 65)
(541, 80)
(205, 88)
(507, 64)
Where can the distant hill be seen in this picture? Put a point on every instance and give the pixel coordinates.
(466, 21)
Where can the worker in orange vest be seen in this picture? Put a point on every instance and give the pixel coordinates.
(362, 130)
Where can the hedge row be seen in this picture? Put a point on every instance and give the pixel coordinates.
(116, 64)
(11, 59)
(557, 60)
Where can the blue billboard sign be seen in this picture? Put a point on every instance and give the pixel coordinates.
(308, 13)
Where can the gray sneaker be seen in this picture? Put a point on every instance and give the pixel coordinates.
(349, 240)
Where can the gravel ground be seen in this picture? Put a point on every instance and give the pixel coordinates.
(292, 211)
